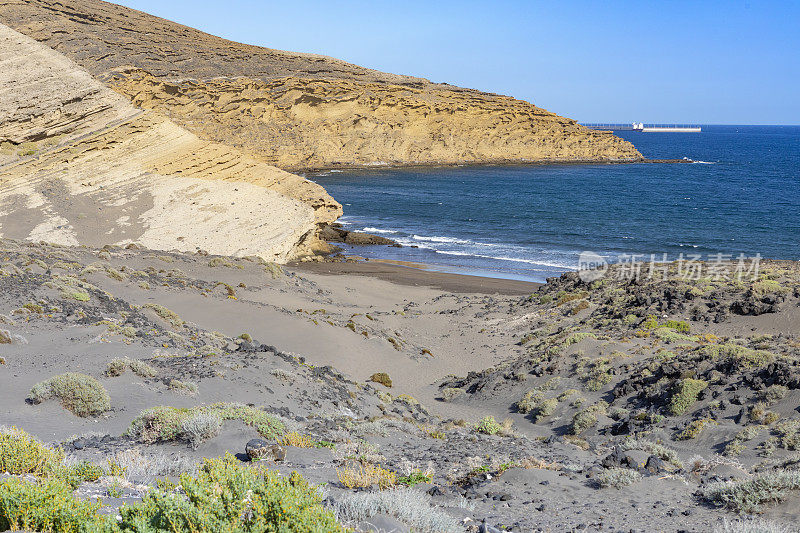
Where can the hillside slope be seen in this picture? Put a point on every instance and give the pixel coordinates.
(301, 111)
(80, 165)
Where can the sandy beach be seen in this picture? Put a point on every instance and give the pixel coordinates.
(420, 275)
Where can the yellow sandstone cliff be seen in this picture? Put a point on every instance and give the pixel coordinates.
(300, 111)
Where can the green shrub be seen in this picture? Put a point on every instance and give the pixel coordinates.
(529, 402)
(774, 393)
(488, 425)
(685, 394)
(76, 474)
(670, 336)
(650, 322)
(226, 496)
(21, 453)
(545, 408)
(681, 326)
(694, 428)
(587, 417)
(79, 393)
(47, 505)
(761, 288)
(745, 357)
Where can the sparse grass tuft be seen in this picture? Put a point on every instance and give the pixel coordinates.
(694, 428)
(451, 393)
(409, 506)
(170, 316)
(366, 475)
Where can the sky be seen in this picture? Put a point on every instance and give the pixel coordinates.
(703, 62)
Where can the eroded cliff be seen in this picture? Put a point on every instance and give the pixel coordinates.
(80, 165)
(301, 111)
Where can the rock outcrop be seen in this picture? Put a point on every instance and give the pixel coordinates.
(301, 111)
(80, 165)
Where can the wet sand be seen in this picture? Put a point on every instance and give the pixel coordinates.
(416, 275)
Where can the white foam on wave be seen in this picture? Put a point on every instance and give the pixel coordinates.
(537, 262)
(370, 229)
(452, 240)
(703, 163)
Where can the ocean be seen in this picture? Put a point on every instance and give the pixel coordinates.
(741, 195)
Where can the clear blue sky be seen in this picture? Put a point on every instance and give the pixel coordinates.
(712, 62)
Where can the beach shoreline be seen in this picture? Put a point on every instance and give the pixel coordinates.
(419, 275)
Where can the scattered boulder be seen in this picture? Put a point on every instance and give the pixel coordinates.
(335, 233)
(358, 238)
(261, 450)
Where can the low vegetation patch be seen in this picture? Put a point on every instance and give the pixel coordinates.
(165, 424)
(617, 477)
(685, 394)
(489, 426)
(366, 475)
(694, 428)
(119, 366)
(79, 393)
(227, 496)
(170, 316)
(382, 378)
(21, 454)
(751, 494)
(587, 417)
(46, 505)
(184, 387)
(409, 506)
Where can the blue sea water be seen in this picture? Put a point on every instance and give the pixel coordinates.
(740, 196)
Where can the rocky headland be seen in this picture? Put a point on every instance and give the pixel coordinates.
(301, 111)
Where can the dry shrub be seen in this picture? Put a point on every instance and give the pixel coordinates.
(366, 475)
